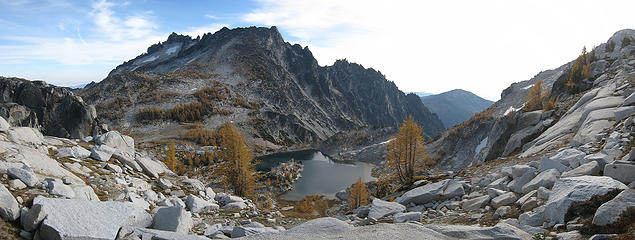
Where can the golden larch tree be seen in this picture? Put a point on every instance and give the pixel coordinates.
(236, 168)
(170, 157)
(359, 194)
(406, 152)
(533, 101)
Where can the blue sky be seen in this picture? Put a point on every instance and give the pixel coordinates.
(429, 46)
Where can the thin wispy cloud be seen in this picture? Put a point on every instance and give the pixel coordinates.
(103, 36)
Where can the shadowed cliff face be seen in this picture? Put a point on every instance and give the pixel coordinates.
(55, 110)
(290, 98)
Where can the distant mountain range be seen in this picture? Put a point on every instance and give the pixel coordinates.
(454, 107)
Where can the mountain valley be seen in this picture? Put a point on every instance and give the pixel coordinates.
(144, 153)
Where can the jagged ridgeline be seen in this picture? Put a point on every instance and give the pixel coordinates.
(272, 90)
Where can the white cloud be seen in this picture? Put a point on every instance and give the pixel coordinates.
(117, 29)
(481, 46)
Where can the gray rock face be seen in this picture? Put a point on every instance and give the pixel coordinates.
(564, 193)
(122, 143)
(25, 135)
(81, 219)
(150, 167)
(569, 157)
(502, 212)
(630, 100)
(74, 152)
(518, 183)
(475, 203)
(380, 208)
(521, 169)
(543, 193)
(610, 211)
(101, 152)
(326, 225)
(500, 184)
(623, 172)
(342, 195)
(242, 231)
(601, 157)
(84, 192)
(4, 125)
(546, 164)
(195, 204)
(57, 110)
(143, 233)
(32, 219)
(500, 231)
(408, 216)
(362, 211)
(194, 184)
(530, 204)
(235, 206)
(164, 183)
(526, 197)
(9, 208)
(544, 179)
(58, 188)
(442, 190)
(623, 112)
(25, 174)
(504, 199)
(590, 168)
(175, 219)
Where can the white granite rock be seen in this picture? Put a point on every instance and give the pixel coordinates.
(380, 208)
(610, 211)
(81, 219)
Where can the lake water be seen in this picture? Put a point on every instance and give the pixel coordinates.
(320, 175)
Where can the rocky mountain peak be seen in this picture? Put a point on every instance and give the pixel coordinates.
(285, 96)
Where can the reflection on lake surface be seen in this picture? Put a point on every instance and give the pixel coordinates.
(321, 175)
